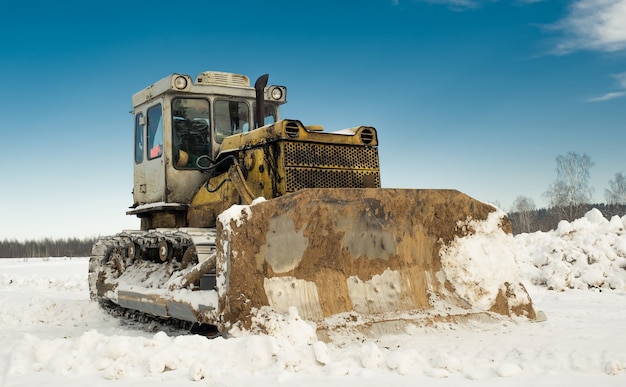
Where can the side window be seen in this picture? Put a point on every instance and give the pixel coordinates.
(271, 114)
(139, 125)
(155, 132)
(190, 123)
(231, 117)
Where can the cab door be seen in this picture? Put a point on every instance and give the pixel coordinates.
(149, 186)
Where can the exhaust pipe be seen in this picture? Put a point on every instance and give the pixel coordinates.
(259, 87)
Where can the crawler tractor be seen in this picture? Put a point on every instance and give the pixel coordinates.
(243, 211)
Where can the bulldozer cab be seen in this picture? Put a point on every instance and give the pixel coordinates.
(179, 129)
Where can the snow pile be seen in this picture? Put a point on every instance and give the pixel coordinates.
(286, 328)
(122, 357)
(288, 344)
(589, 252)
(480, 264)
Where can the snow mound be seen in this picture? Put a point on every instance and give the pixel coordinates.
(482, 264)
(588, 253)
(288, 344)
(285, 327)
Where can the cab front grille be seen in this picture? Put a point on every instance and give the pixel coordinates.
(330, 156)
(312, 165)
(299, 178)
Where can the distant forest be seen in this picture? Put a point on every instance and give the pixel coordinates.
(72, 247)
(546, 219)
(536, 220)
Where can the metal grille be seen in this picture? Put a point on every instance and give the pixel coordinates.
(330, 156)
(220, 78)
(299, 178)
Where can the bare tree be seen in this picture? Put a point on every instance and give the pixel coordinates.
(526, 212)
(570, 191)
(616, 193)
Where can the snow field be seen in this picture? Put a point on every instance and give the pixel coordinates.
(53, 335)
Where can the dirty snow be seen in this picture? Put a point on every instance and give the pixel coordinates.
(53, 335)
(479, 264)
(237, 213)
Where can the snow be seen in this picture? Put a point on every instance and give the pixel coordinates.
(53, 335)
(490, 263)
(237, 213)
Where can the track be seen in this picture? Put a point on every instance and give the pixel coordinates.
(158, 279)
(146, 322)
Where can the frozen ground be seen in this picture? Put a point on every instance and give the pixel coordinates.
(53, 335)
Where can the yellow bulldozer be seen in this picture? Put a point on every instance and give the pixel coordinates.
(242, 210)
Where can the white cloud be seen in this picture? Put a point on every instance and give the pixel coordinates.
(524, 2)
(459, 5)
(597, 25)
(621, 83)
(462, 5)
(608, 96)
(621, 79)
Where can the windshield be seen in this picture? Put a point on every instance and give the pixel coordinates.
(231, 117)
(190, 126)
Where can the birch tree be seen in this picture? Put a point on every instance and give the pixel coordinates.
(570, 191)
(616, 193)
(526, 212)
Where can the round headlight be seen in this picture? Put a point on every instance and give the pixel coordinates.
(180, 83)
(277, 93)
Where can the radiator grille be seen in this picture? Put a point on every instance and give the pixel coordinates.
(330, 156)
(299, 178)
(314, 165)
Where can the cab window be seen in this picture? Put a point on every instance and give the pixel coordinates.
(231, 117)
(139, 126)
(155, 132)
(271, 114)
(190, 123)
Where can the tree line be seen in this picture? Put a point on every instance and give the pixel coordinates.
(69, 247)
(569, 197)
(546, 219)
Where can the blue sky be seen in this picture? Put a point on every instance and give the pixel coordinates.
(480, 96)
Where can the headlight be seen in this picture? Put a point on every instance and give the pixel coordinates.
(180, 82)
(277, 93)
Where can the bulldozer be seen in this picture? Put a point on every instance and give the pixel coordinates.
(242, 211)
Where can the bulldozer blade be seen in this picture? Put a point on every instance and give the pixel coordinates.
(369, 254)
(165, 305)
